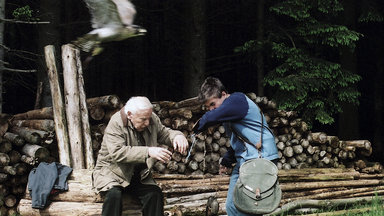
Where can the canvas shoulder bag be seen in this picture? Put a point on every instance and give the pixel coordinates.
(257, 190)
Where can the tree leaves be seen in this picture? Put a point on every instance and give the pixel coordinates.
(305, 44)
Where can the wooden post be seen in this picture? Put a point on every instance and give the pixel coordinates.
(87, 139)
(58, 107)
(72, 103)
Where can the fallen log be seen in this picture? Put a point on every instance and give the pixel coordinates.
(4, 159)
(329, 184)
(330, 203)
(35, 151)
(96, 112)
(39, 124)
(188, 102)
(107, 101)
(358, 211)
(16, 139)
(27, 134)
(5, 147)
(43, 113)
(73, 209)
(196, 207)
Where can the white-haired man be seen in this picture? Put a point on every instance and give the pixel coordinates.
(127, 154)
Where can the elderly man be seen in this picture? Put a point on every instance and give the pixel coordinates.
(127, 154)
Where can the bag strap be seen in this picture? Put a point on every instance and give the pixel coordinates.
(259, 144)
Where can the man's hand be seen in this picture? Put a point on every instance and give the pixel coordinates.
(223, 170)
(180, 144)
(161, 154)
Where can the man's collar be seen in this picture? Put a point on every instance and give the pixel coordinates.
(124, 117)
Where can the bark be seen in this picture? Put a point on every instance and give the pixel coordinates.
(259, 53)
(35, 151)
(71, 92)
(2, 16)
(107, 101)
(190, 102)
(97, 112)
(10, 200)
(43, 113)
(309, 185)
(29, 135)
(58, 107)
(38, 124)
(87, 139)
(3, 177)
(195, 52)
(331, 203)
(181, 112)
(48, 35)
(72, 209)
(5, 147)
(4, 159)
(16, 139)
(14, 157)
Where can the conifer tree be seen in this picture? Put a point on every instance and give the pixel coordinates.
(302, 43)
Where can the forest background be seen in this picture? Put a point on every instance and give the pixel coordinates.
(322, 58)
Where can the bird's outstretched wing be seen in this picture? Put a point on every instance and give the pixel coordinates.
(110, 13)
(112, 20)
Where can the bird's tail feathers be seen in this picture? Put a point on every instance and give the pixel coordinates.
(86, 43)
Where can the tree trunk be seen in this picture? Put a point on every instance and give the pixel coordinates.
(58, 107)
(87, 139)
(72, 102)
(259, 53)
(378, 98)
(348, 125)
(2, 16)
(195, 54)
(49, 35)
(72, 209)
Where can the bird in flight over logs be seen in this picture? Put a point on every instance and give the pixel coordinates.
(112, 20)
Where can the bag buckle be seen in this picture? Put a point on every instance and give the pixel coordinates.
(257, 193)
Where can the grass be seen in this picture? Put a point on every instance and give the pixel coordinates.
(374, 208)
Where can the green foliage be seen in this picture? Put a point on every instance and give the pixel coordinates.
(303, 47)
(24, 14)
(371, 12)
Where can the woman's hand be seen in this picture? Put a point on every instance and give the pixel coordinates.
(223, 170)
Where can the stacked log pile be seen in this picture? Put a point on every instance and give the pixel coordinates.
(31, 137)
(298, 146)
(26, 139)
(190, 193)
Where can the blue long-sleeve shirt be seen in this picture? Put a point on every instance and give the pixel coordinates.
(239, 113)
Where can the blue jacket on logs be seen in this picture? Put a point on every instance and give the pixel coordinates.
(43, 179)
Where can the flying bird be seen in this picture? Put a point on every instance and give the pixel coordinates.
(112, 20)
